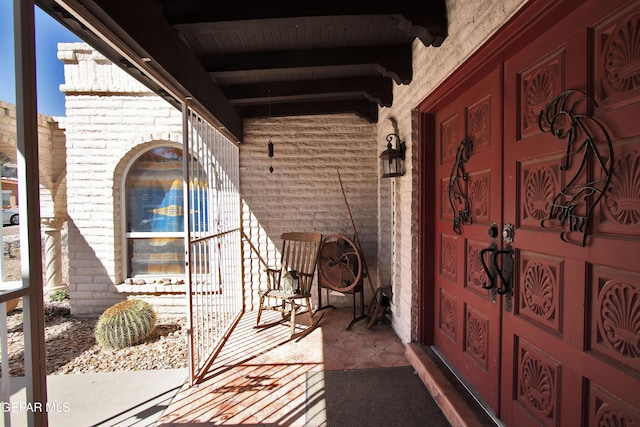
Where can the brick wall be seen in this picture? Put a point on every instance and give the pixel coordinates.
(470, 25)
(303, 193)
(51, 153)
(110, 118)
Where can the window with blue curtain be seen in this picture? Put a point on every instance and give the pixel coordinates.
(155, 214)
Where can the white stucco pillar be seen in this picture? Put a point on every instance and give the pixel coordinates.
(52, 253)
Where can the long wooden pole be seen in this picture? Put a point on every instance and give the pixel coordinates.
(355, 232)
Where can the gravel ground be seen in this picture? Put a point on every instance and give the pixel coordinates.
(72, 348)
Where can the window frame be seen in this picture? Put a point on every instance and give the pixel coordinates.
(127, 236)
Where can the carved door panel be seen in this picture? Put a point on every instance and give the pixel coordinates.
(571, 344)
(468, 164)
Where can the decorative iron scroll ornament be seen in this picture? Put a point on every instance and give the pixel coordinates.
(457, 195)
(572, 208)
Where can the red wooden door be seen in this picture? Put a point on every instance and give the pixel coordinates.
(571, 343)
(467, 321)
(564, 349)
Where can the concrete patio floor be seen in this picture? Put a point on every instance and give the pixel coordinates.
(257, 379)
(259, 376)
(123, 398)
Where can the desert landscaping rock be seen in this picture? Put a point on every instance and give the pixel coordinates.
(71, 347)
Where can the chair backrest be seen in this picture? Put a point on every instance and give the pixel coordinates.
(300, 254)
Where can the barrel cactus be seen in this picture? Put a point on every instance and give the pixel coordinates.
(125, 324)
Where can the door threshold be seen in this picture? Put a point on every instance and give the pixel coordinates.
(457, 401)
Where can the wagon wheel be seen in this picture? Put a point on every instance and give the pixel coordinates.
(339, 263)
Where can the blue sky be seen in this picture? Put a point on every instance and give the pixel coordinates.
(49, 70)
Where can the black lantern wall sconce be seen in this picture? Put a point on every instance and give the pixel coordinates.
(392, 159)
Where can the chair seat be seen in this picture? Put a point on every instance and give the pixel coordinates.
(289, 286)
(282, 294)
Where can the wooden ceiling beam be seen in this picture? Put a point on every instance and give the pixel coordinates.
(211, 11)
(365, 109)
(426, 20)
(377, 89)
(429, 28)
(390, 61)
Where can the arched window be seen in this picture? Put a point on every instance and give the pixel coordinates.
(153, 197)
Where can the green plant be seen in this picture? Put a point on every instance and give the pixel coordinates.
(55, 310)
(125, 324)
(59, 295)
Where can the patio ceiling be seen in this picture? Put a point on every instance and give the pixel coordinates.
(240, 60)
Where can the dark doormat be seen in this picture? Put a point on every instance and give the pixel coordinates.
(370, 397)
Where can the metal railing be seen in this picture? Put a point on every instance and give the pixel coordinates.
(214, 253)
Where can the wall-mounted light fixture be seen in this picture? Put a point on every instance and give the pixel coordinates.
(392, 159)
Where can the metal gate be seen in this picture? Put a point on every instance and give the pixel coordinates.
(212, 240)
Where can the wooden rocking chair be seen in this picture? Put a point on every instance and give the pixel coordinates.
(289, 286)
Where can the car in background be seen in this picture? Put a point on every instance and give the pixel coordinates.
(10, 217)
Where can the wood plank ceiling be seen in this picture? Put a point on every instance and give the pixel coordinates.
(242, 60)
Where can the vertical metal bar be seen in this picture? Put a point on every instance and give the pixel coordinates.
(217, 292)
(204, 321)
(27, 160)
(219, 177)
(204, 171)
(197, 251)
(215, 257)
(204, 280)
(202, 248)
(6, 378)
(187, 239)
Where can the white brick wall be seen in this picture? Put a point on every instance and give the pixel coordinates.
(51, 153)
(104, 131)
(470, 25)
(303, 193)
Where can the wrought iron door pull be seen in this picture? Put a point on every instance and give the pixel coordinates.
(506, 272)
(495, 272)
(492, 273)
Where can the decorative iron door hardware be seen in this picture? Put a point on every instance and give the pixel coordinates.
(457, 195)
(495, 272)
(561, 120)
(506, 272)
(492, 273)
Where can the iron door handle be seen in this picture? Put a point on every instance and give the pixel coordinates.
(508, 261)
(495, 271)
(492, 274)
(506, 272)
